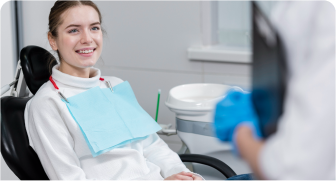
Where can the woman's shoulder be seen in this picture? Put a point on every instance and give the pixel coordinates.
(45, 96)
(114, 80)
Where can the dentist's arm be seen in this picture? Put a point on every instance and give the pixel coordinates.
(250, 148)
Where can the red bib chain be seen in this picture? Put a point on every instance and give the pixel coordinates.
(54, 84)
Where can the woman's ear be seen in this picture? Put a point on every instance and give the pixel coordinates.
(52, 41)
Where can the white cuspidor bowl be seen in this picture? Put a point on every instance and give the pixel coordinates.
(195, 101)
(194, 104)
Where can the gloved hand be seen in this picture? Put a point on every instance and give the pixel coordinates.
(234, 110)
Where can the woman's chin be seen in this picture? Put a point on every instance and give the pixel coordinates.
(87, 64)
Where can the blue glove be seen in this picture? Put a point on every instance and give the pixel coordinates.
(234, 110)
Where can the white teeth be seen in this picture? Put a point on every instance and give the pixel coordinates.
(85, 51)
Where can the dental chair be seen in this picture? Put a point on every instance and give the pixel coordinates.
(32, 72)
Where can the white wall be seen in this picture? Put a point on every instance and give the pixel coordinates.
(8, 65)
(8, 46)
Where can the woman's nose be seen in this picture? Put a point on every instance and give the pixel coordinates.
(86, 38)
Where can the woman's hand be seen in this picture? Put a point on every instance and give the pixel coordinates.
(184, 176)
(195, 177)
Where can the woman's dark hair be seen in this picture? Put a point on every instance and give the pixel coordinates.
(55, 19)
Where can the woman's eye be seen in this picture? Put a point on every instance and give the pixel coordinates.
(73, 31)
(95, 28)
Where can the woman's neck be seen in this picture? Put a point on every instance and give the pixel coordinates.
(74, 71)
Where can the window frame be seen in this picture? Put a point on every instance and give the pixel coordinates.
(210, 50)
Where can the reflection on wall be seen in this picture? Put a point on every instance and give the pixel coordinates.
(234, 21)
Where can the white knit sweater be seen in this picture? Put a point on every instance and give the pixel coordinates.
(61, 147)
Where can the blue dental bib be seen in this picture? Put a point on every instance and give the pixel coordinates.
(109, 119)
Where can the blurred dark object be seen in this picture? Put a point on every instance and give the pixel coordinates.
(268, 72)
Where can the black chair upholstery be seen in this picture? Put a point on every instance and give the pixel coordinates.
(210, 161)
(15, 149)
(35, 66)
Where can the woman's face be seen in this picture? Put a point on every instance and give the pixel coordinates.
(80, 39)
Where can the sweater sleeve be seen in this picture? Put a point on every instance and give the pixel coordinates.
(52, 141)
(158, 152)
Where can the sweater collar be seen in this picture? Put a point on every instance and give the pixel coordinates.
(79, 82)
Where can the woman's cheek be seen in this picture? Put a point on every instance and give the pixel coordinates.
(99, 39)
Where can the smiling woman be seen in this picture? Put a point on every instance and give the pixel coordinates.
(63, 146)
(75, 33)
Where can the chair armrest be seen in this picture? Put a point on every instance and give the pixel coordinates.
(210, 161)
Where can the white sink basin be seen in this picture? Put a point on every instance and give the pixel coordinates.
(194, 106)
(196, 97)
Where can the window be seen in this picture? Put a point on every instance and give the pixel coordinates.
(234, 22)
(226, 31)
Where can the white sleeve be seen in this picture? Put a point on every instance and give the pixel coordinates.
(158, 152)
(52, 141)
(304, 145)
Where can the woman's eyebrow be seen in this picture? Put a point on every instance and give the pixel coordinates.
(72, 25)
(95, 23)
(80, 25)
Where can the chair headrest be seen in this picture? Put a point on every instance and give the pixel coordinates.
(35, 66)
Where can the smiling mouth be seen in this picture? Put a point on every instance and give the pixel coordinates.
(85, 51)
